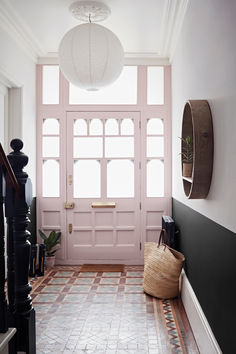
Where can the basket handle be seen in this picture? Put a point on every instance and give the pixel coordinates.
(166, 237)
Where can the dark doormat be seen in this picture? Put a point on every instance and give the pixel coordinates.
(102, 268)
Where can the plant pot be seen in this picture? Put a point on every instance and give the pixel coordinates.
(187, 169)
(50, 261)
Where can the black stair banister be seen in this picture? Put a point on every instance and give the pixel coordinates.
(6, 175)
(11, 180)
(18, 312)
(3, 301)
(21, 312)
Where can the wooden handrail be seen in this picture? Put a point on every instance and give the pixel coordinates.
(16, 308)
(21, 313)
(11, 175)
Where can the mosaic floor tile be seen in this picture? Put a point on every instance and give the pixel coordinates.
(46, 298)
(106, 313)
(42, 308)
(134, 307)
(64, 274)
(109, 281)
(58, 281)
(172, 329)
(70, 308)
(97, 308)
(104, 298)
(134, 274)
(138, 281)
(135, 297)
(84, 281)
(87, 274)
(111, 274)
(107, 289)
(80, 289)
(133, 289)
(53, 289)
(75, 297)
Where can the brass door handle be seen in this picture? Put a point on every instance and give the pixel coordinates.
(70, 228)
(69, 205)
(103, 205)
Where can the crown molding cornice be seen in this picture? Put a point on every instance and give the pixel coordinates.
(134, 60)
(172, 20)
(17, 29)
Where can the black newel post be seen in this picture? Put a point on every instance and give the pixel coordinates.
(22, 314)
(3, 302)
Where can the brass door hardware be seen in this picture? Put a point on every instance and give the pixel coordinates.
(69, 205)
(103, 205)
(70, 180)
(70, 228)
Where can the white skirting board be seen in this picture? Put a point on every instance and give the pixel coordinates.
(201, 329)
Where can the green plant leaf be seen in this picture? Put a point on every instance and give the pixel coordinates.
(51, 236)
(187, 149)
(57, 237)
(42, 235)
(188, 140)
(54, 238)
(50, 241)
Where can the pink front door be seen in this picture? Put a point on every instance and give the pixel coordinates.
(103, 186)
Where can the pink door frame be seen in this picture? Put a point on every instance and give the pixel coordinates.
(50, 211)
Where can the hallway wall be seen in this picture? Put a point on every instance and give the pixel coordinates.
(19, 70)
(203, 67)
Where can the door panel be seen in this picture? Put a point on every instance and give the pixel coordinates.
(103, 182)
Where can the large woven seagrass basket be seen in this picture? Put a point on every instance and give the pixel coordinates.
(162, 268)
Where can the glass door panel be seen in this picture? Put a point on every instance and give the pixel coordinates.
(155, 126)
(87, 147)
(51, 147)
(119, 147)
(51, 126)
(127, 126)
(120, 179)
(80, 127)
(87, 179)
(111, 127)
(155, 178)
(51, 180)
(155, 146)
(96, 127)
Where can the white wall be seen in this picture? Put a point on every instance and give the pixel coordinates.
(3, 93)
(204, 67)
(19, 69)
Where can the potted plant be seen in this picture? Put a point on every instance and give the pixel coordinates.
(50, 242)
(187, 156)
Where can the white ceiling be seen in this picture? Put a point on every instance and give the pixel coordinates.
(147, 29)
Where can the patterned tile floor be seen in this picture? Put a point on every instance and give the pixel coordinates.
(106, 313)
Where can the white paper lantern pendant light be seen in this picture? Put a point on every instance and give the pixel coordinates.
(90, 55)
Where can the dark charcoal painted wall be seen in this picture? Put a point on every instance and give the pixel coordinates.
(210, 252)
